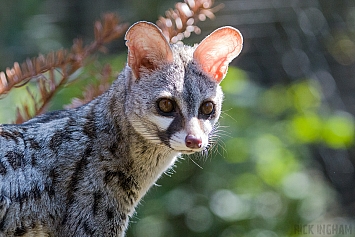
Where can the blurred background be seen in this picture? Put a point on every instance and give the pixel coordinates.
(285, 157)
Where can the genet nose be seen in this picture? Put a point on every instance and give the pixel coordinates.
(193, 142)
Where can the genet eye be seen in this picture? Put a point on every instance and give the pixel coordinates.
(166, 105)
(207, 108)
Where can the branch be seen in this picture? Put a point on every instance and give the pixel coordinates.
(180, 22)
(94, 90)
(45, 68)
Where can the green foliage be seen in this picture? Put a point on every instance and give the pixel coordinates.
(91, 74)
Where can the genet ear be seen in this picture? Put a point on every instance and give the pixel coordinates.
(147, 48)
(217, 50)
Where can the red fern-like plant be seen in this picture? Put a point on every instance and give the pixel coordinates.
(52, 71)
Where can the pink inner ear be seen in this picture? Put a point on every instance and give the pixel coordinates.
(219, 69)
(217, 50)
(147, 46)
(132, 60)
